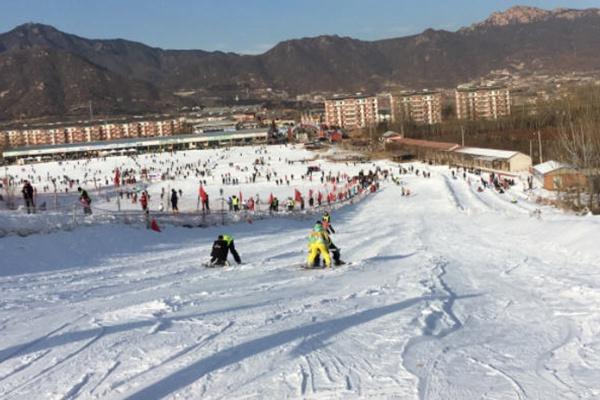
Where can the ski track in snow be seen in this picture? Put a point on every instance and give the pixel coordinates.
(448, 293)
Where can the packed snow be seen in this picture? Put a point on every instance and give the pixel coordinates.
(449, 292)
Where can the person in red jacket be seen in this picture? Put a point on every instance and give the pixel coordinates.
(144, 200)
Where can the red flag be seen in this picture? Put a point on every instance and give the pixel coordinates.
(202, 193)
(297, 195)
(117, 177)
(241, 199)
(271, 199)
(154, 225)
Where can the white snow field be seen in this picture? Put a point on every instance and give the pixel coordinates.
(449, 294)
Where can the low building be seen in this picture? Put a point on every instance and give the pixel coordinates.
(215, 126)
(491, 159)
(179, 142)
(85, 132)
(428, 150)
(558, 176)
(390, 135)
(454, 154)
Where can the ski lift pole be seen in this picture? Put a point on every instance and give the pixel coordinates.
(222, 211)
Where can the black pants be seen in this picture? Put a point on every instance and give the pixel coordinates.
(30, 206)
(234, 253)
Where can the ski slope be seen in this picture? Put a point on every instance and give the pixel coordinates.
(450, 294)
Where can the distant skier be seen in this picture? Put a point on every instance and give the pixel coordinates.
(85, 200)
(220, 250)
(174, 201)
(144, 200)
(317, 244)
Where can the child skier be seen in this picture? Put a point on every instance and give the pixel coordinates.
(317, 244)
(85, 200)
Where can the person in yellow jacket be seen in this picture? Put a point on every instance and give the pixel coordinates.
(317, 244)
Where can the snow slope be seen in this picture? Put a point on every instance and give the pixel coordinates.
(451, 294)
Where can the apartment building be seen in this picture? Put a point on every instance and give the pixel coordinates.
(482, 102)
(85, 133)
(356, 111)
(423, 107)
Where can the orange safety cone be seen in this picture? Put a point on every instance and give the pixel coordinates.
(154, 225)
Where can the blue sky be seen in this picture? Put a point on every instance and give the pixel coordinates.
(253, 26)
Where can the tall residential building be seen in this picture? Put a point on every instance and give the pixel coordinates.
(352, 111)
(420, 107)
(482, 102)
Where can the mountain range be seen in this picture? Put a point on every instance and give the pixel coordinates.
(46, 72)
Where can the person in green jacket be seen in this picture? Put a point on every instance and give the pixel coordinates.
(231, 246)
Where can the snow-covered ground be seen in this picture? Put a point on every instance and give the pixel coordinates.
(450, 294)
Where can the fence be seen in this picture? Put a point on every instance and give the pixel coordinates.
(69, 216)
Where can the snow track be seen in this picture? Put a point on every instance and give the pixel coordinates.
(450, 293)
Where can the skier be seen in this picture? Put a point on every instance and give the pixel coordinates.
(85, 200)
(326, 220)
(335, 251)
(317, 244)
(220, 250)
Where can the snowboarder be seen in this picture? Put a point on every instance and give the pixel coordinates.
(317, 244)
(85, 200)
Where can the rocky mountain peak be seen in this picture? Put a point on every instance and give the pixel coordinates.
(527, 15)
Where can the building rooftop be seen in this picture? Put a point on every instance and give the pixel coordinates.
(549, 166)
(425, 143)
(488, 153)
(419, 92)
(476, 88)
(350, 96)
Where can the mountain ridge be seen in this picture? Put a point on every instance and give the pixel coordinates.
(544, 41)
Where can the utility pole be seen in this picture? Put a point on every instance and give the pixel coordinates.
(531, 149)
(462, 135)
(540, 143)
